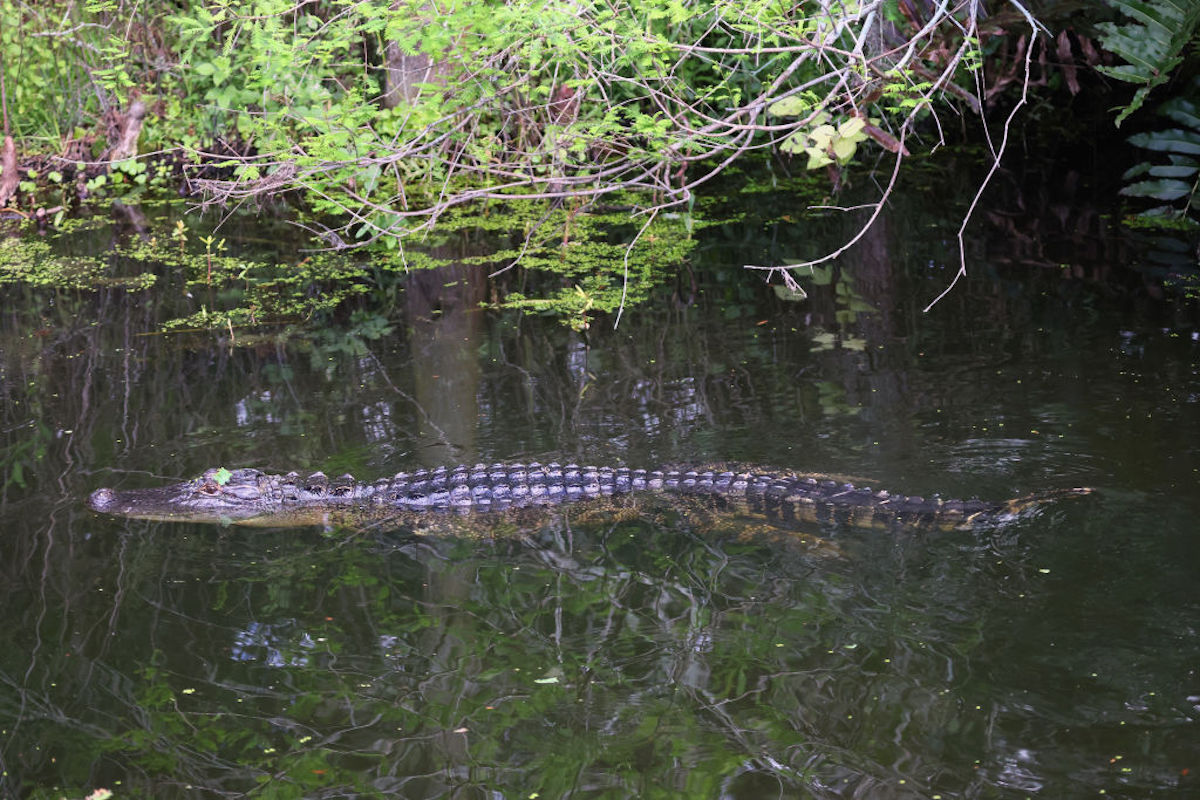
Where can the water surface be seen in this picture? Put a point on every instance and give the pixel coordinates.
(606, 656)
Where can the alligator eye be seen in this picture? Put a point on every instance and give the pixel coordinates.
(210, 488)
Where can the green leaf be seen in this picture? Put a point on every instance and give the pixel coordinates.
(1182, 111)
(794, 143)
(222, 476)
(843, 149)
(1166, 190)
(1153, 46)
(1173, 171)
(1172, 140)
(789, 294)
(822, 275)
(853, 129)
(817, 158)
(822, 135)
(789, 107)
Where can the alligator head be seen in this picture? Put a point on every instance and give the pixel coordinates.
(218, 496)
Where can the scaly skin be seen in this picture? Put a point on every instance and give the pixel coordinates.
(251, 497)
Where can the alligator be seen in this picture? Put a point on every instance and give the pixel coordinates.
(784, 499)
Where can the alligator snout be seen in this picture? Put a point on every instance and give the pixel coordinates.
(102, 500)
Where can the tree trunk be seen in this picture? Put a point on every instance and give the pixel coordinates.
(402, 74)
(124, 144)
(8, 176)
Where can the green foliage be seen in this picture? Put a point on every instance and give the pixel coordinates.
(32, 261)
(78, 54)
(1165, 234)
(601, 272)
(539, 99)
(578, 266)
(1175, 183)
(29, 448)
(823, 143)
(903, 95)
(522, 101)
(28, 71)
(271, 61)
(1153, 46)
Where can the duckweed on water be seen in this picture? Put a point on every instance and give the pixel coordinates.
(582, 264)
(248, 293)
(574, 265)
(31, 261)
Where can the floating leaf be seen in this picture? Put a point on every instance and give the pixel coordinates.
(854, 343)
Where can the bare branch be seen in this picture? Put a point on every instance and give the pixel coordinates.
(997, 155)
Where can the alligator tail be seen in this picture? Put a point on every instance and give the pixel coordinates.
(1023, 505)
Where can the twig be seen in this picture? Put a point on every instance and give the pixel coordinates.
(997, 154)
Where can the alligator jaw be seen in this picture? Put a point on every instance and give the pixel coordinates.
(217, 496)
(148, 504)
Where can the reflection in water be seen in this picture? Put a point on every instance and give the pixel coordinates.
(255, 410)
(445, 325)
(680, 399)
(279, 644)
(1018, 771)
(617, 654)
(378, 427)
(1010, 457)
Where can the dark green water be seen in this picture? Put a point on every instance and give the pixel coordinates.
(1058, 657)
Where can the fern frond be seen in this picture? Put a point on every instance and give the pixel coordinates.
(1179, 178)
(1153, 45)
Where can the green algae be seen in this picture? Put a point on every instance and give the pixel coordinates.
(578, 264)
(564, 262)
(32, 262)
